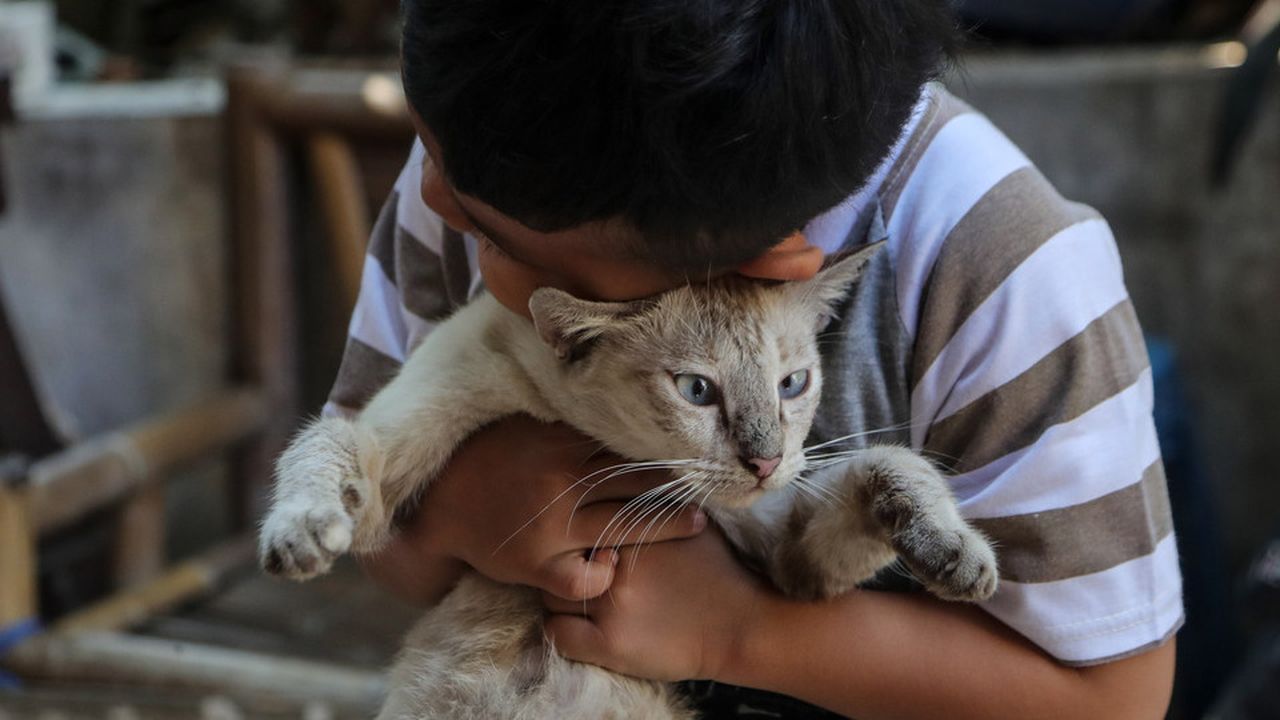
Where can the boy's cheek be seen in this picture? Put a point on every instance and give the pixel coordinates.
(509, 284)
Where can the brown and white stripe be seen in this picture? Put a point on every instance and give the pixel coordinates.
(1029, 379)
(1024, 367)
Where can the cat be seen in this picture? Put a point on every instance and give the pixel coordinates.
(724, 376)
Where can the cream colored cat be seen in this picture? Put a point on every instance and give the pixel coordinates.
(723, 377)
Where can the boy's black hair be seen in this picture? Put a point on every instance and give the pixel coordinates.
(713, 127)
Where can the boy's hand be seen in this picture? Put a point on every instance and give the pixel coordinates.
(675, 611)
(511, 506)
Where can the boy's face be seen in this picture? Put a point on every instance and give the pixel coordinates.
(591, 261)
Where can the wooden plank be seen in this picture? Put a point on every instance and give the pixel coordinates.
(181, 584)
(265, 320)
(110, 657)
(104, 701)
(66, 486)
(140, 537)
(350, 102)
(17, 560)
(338, 180)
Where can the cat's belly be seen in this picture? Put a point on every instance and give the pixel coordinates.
(481, 655)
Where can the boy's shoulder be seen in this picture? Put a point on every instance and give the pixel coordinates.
(996, 335)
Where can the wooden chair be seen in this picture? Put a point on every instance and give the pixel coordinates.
(274, 118)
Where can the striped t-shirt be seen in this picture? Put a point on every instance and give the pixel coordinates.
(995, 334)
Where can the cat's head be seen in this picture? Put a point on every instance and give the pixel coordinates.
(722, 377)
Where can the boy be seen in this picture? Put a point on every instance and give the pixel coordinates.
(615, 149)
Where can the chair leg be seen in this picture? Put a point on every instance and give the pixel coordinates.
(17, 562)
(140, 539)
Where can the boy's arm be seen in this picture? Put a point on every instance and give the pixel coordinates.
(689, 610)
(881, 655)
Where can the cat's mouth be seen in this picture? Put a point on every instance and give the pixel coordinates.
(740, 491)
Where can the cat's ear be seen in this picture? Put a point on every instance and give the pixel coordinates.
(570, 325)
(824, 291)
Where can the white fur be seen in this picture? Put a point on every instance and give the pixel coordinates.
(605, 369)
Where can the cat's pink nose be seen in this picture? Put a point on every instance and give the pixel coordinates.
(762, 467)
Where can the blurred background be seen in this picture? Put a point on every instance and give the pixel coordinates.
(186, 187)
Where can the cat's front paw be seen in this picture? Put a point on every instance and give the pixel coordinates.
(301, 537)
(953, 564)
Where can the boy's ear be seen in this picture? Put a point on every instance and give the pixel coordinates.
(570, 325)
(823, 291)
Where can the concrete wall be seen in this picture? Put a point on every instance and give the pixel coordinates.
(113, 260)
(1131, 134)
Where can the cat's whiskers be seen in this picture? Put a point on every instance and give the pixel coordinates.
(656, 509)
(803, 489)
(618, 470)
(642, 504)
(669, 510)
(629, 468)
(820, 491)
(636, 510)
(701, 495)
(851, 436)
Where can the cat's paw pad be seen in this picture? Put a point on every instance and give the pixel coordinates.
(955, 565)
(300, 541)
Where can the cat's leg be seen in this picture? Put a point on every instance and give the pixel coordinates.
(340, 482)
(825, 546)
(322, 492)
(892, 503)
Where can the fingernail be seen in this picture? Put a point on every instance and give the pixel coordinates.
(613, 558)
(699, 519)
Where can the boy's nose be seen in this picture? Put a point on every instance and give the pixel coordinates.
(762, 467)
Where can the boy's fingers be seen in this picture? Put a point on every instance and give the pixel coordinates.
(613, 524)
(573, 576)
(560, 606)
(577, 638)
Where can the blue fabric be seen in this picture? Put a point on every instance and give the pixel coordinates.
(10, 637)
(1206, 644)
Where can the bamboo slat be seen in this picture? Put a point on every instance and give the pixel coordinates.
(17, 560)
(150, 662)
(180, 584)
(337, 177)
(66, 486)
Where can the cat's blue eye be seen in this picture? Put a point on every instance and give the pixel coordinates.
(794, 384)
(697, 389)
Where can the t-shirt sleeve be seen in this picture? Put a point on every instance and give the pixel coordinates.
(1031, 374)
(416, 273)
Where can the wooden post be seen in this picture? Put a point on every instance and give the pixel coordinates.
(140, 537)
(337, 177)
(17, 560)
(264, 341)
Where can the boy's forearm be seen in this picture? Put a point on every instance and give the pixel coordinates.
(878, 655)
